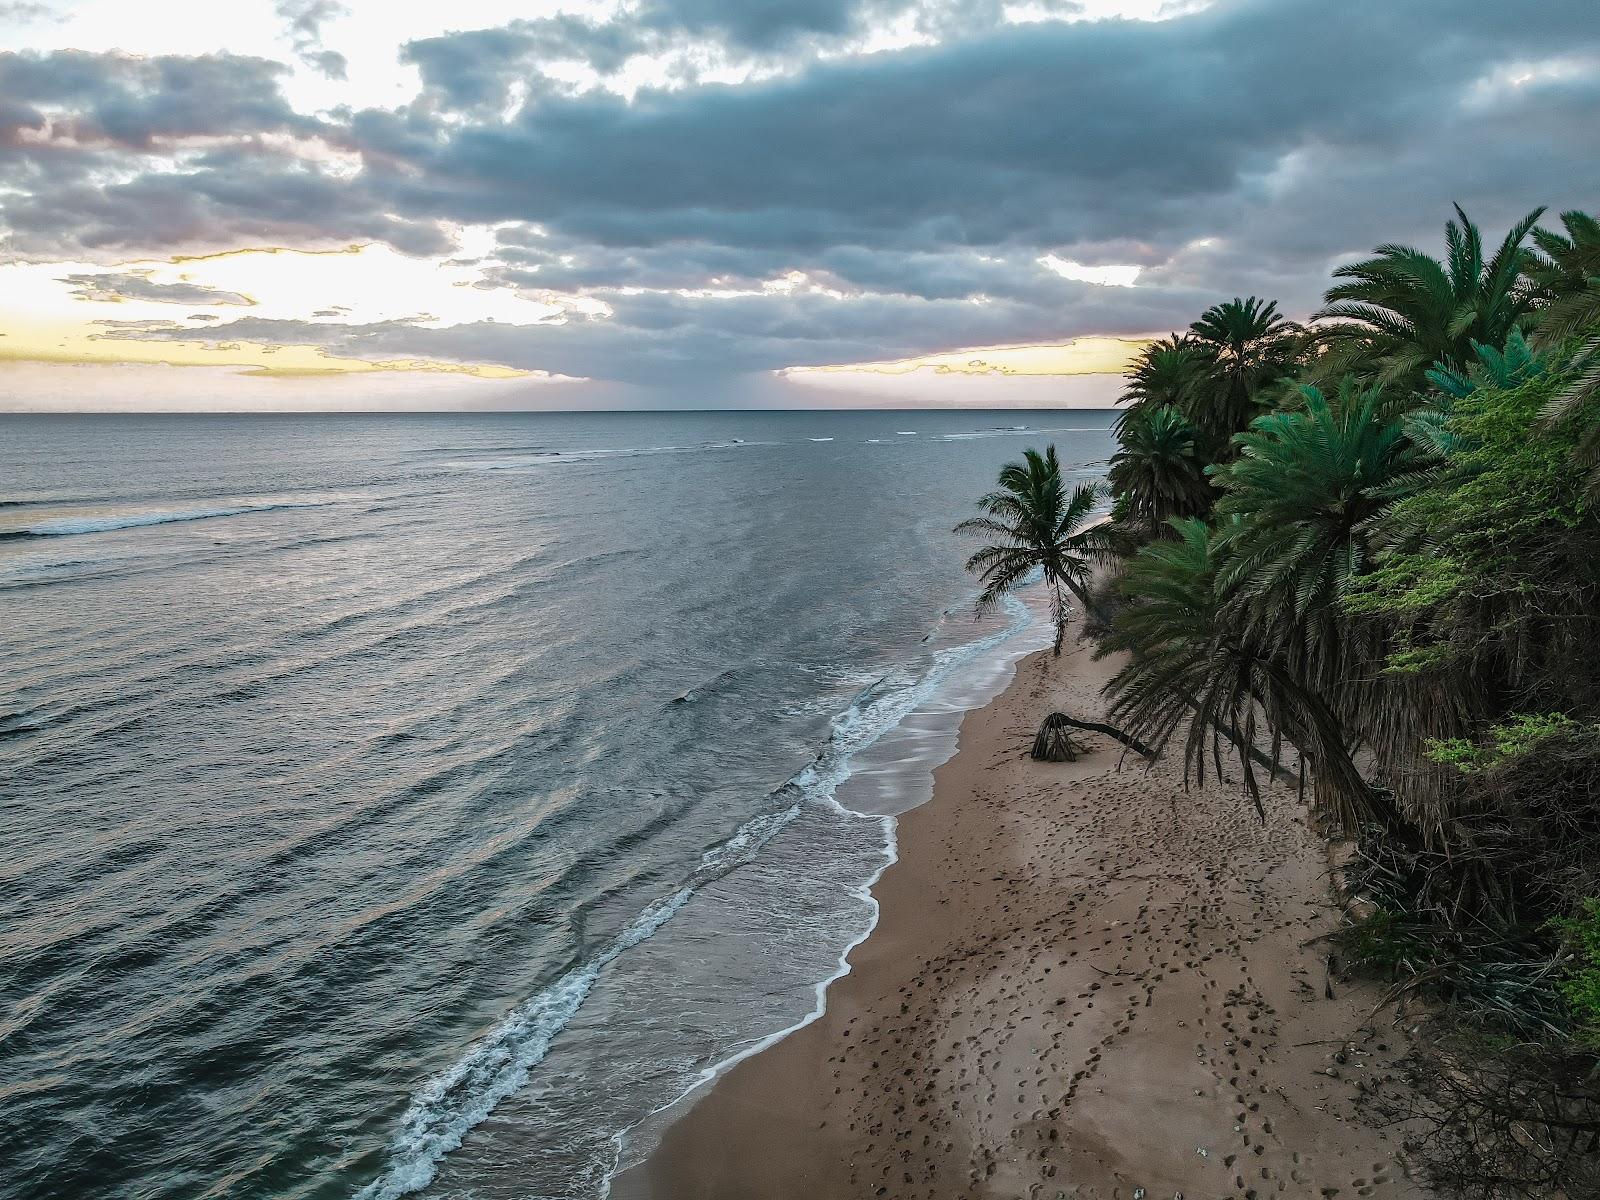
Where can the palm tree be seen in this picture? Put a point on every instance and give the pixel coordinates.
(1502, 368)
(1306, 495)
(1040, 528)
(1164, 374)
(1158, 468)
(1247, 344)
(1308, 486)
(1403, 311)
(1567, 272)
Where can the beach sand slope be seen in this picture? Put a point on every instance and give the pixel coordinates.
(1086, 982)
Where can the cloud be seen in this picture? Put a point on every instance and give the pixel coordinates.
(138, 285)
(689, 41)
(1053, 136)
(974, 169)
(740, 188)
(108, 152)
(22, 12)
(306, 18)
(72, 100)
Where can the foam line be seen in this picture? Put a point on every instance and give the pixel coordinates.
(71, 526)
(445, 1108)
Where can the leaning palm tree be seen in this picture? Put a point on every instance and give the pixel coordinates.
(1194, 669)
(1040, 528)
(1158, 468)
(1402, 311)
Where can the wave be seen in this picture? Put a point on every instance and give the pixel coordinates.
(592, 454)
(699, 690)
(448, 1106)
(33, 501)
(514, 449)
(1017, 430)
(875, 710)
(72, 526)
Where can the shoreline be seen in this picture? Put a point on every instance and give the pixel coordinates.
(989, 667)
(962, 1054)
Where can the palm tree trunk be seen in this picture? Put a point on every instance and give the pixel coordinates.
(1058, 614)
(1361, 802)
(1089, 604)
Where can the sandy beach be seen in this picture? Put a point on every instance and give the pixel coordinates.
(1085, 982)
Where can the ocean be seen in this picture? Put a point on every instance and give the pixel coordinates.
(421, 804)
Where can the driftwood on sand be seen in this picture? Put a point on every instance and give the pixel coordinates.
(1055, 744)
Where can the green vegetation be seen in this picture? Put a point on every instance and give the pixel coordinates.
(1510, 739)
(1369, 548)
(1581, 987)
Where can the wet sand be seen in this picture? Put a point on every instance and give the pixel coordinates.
(1085, 982)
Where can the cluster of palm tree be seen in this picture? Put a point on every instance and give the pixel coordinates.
(1370, 547)
(1365, 551)
(1314, 502)
(1187, 396)
(1357, 539)
(1395, 319)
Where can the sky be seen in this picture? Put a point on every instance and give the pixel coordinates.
(303, 204)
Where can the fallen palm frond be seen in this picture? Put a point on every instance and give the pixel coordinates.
(1055, 743)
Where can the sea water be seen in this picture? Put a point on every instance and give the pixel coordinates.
(403, 804)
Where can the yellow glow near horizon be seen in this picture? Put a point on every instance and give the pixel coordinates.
(46, 317)
(1080, 356)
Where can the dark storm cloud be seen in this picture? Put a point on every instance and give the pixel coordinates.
(1241, 148)
(130, 103)
(1048, 135)
(116, 152)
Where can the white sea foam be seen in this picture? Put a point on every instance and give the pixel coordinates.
(871, 715)
(1015, 431)
(447, 1107)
